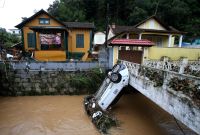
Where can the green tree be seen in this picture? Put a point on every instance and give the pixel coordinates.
(182, 14)
(7, 39)
(67, 10)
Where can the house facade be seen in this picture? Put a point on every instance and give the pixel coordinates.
(16, 32)
(52, 40)
(167, 41)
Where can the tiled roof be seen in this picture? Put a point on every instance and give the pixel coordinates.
(118, 29)
(65, 24)
(35, 15)
(79, 25)
(157, 19)
(131, 42)
(169, 29)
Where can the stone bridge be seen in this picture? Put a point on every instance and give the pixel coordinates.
(175, 92)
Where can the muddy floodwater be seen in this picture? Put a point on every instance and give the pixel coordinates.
(65, 115)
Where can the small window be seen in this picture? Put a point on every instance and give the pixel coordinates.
(44, 21)
(79, 41)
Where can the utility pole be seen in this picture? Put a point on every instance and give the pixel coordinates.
(107, 23)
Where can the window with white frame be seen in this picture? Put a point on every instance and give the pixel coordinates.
(44, 21)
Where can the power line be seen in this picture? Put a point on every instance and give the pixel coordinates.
(156, 8)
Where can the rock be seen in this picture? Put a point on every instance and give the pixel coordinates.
(28, 89)
(38, 90)
(26, 85)
(37, 85)
(17, 80)
(52, 90)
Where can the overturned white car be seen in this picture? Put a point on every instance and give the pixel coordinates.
(108, 92)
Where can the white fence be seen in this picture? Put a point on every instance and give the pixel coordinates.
(182, 66)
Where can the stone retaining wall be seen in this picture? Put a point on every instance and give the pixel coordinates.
(22, 82)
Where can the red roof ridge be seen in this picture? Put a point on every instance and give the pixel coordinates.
(132, 42)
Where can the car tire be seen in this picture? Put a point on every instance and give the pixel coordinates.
(115, 77)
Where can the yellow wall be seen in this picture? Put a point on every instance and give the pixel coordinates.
(172, 42)
(50, 55)
(151, 24)
(154, 38)
(59, 55)
(72, 41)
(35, 22)
(173, 53)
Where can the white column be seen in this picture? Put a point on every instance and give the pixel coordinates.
(127, 36)
(180, 41)
(183, 64)
(140, 36)
(145, 54)
(169, 40)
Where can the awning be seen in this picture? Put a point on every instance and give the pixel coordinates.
(131, 42)
(47, 29)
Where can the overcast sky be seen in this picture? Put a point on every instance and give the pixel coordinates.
(11, 11)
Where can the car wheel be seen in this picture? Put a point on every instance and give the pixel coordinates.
(115, 77)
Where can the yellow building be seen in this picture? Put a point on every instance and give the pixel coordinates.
(52, 40)
(167, 41)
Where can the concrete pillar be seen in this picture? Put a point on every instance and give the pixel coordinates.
(127, 36)
(183, 64)
(145, 54)
(140, 36)
(180, 41)
(169, 40)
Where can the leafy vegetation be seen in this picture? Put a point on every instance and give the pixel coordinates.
(154, 75)
(182, 14)
(89, 81)
(105, 122)
(186, 86)
(7, 39)
(189, 71)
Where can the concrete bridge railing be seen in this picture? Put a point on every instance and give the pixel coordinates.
(178, 94)
(183, 66)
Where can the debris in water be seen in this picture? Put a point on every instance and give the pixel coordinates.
(103, 120)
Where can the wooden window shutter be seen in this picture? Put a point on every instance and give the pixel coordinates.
(31, 40)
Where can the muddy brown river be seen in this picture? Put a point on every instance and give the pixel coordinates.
(65, 115)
